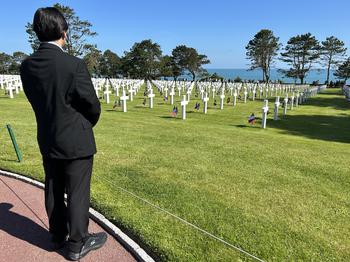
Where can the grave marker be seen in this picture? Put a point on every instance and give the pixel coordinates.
(183, 107)
(265, 109)
(277, 104)
(123, 98)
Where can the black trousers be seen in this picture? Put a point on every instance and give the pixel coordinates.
(72, 177)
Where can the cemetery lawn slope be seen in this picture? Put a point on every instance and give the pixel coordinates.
(281, 194)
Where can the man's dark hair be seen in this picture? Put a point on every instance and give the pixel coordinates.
(49, 24)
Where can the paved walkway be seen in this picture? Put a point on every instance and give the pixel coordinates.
(24, 232)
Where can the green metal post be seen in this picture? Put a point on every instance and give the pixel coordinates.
(14, 142)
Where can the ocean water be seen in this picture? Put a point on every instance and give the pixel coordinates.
(244, 74)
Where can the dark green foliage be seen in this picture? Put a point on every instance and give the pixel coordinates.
(78, 33)
(5, 63)
(211, 77)
(110, 64)
(92, 60)
(300, 53)
(166, 66)
(262, 50)
(9, 64)
(143, 60)
(332, 51)
(343, 71)
(237, 79)
(188, 59)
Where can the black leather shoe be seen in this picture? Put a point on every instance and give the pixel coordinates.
(92, 242)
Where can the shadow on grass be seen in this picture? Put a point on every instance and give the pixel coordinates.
(113, 110)
(256, 125)
(330, 98)
(322, 127)
(338, 103)
(168, 117)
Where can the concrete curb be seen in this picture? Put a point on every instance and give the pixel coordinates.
(101, 220)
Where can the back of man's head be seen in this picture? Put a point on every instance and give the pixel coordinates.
(49, 24)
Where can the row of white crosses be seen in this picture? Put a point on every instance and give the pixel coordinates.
(301, 96)
(186, 87)
(12, 84)
(132, 86)
(181, 87)
(205, 88)
(303, 92)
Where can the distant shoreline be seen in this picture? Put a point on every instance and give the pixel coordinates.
(245, 74)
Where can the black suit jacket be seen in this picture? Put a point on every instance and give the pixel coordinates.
(59, 88)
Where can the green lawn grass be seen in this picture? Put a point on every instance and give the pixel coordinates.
(282, 194)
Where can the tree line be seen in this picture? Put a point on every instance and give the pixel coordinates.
(145, 59)
(10, 63)
(301, 53)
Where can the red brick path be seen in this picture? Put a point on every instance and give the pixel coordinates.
(24, 232)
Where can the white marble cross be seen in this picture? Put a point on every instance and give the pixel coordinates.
(222, 97)
(106, 94)
(231, 90)
(166, 91)
(16, 88)
(235, 98)
(205, 101)
(172, 93)
(189, 95)
(183, 107)
(265, 109)
(245, 96)
(10, 90)
(277, 104)
(292, 102)
(131, 93)
(285, 105)
(150, 96)
(117, 89)
(301, 98)
(123, 98)
(202, 93)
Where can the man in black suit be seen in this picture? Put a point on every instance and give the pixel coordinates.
(59, 88)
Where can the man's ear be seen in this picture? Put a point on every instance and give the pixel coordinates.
(64, 35)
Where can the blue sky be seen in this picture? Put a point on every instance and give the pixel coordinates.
(220, 29)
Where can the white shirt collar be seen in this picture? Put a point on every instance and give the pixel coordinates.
(54, 43)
